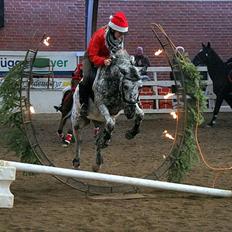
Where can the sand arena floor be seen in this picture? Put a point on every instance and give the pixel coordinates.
(44, 204)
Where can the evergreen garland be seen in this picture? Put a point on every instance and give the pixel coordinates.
(11, 116)
(185, 155)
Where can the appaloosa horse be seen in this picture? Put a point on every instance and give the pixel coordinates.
(115, 88)
(220, 73)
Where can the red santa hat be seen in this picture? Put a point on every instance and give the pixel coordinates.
(118, 22)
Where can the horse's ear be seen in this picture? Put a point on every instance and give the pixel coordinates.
(208, 45)
(203, 45)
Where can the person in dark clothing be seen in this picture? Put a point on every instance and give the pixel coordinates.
(105, 41)
(141, 61)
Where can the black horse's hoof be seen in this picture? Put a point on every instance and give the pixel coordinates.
(76, 163)
(211, 124)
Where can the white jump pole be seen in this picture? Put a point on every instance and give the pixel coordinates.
(115, 179)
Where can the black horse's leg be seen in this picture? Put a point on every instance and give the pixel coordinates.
(228, 99)
(139, 115)
(218, 103)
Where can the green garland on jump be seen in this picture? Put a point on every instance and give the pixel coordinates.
(11, 116)
(185, 155)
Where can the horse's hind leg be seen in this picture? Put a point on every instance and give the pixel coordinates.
(99, 160)
(61, 126)
(228, 99)
(139, 115)
(77, 129)
(77, 135)
(66, 108)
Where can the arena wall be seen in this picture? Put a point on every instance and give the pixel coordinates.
(188, 23)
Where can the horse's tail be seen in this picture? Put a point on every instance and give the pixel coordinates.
(76, 106)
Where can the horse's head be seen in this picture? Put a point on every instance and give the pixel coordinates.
(130, 80)
(130, 90)
(217, 69)
(202, 56)
(206, 56)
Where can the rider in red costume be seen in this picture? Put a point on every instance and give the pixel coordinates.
(104, 42)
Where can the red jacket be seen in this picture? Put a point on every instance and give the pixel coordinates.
(97, 50)
(76, 77)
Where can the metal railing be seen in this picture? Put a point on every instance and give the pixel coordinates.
(158, 80)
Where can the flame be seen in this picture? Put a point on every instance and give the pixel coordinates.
(168, 95)
(45, 41)
(158, 52)
(167, 135)
(174, 115)
(32, 110)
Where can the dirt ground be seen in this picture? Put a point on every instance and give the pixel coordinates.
(42, 203)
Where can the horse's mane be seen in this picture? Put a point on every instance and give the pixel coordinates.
(218, 70)
(121, 62)
(217, 59)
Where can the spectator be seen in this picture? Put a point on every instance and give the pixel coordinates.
(141, 61)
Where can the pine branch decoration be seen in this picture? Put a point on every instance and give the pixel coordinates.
(186, 154)
(11, 116)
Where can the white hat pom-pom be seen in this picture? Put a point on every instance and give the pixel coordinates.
(111, 17)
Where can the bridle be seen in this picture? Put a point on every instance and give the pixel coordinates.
(121, 88)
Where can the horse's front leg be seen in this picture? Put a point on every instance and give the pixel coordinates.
(217, 107)
(139, 115)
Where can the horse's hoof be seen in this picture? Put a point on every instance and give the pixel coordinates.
(60, 135)
(76, 163)
(129, 135)
(96, 168)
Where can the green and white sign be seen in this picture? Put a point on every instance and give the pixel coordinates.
(62, 61)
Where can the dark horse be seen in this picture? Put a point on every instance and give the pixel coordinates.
(66, 109)
(115, 88)
(220, 73)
